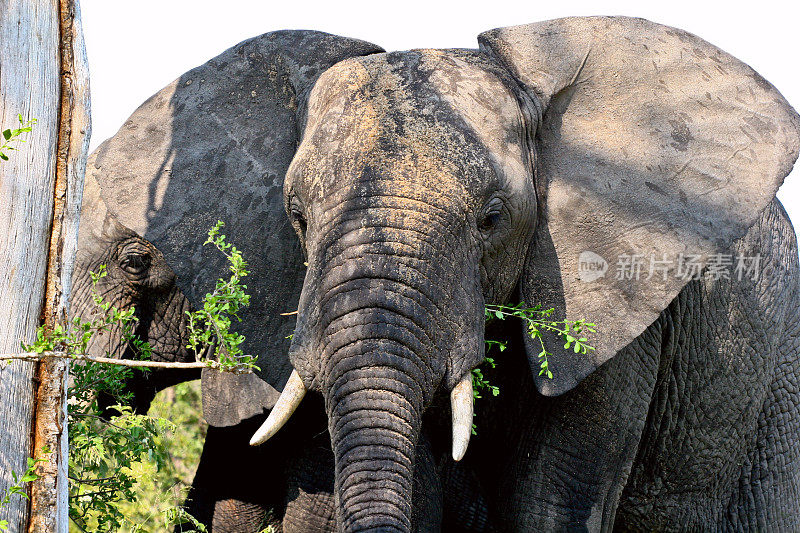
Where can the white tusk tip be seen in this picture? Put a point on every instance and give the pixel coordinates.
(288, 401)
(461, 407)
(459, 452)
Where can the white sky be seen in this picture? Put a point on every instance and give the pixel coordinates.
(136, 48)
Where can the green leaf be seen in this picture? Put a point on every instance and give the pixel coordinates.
(6, 134)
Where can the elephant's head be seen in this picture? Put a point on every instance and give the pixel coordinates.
(424, 184)
(136, 276)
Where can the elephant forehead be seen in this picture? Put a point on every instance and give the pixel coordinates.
(418, 115)
(465, 84)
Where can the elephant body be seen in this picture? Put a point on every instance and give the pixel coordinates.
(646, 443)
(388, 197)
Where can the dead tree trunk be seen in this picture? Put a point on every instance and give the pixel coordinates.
(43, 75)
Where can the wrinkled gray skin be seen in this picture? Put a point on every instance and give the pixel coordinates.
(428, 183)
(137, 276)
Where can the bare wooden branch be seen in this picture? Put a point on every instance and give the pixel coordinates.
(33, 356)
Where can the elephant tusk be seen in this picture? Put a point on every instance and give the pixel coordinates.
(461, 407)
(288, 401)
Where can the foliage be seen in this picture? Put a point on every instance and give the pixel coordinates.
(162, 490)
(537, 320)
(17, 485)
(209, 327)
(15, 136)
(177, 516)
(113, 449)
(102, 456)
(479, 381)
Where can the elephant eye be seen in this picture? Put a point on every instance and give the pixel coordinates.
(492, 215)
(298, 217)
(135, 262)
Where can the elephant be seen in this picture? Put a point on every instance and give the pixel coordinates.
(388, 197)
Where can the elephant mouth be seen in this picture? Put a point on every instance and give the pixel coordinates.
(461, 397)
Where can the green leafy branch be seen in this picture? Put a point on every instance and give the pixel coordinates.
(479, 382)
(15, 136)
(537, 321)
(18, 484)
(210, 335)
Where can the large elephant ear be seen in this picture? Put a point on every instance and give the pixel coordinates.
(655, 149)
(215, 145)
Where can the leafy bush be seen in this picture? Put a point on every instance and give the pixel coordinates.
(113, 451)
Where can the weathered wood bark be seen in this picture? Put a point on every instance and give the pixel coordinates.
(43, 75)
(50, 493)
(30, 85)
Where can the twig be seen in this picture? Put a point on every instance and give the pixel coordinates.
(33, 356)
(88, 415)
(92, 481)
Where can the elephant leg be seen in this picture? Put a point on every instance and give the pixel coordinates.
(562, 462)
(234, 486)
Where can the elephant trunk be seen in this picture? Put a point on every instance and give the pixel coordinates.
(380, 368)
(381, 327)
(374, 425)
